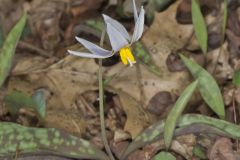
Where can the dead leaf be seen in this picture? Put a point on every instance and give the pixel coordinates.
(44, 19)
(137, 117)
(223, 70)
(119, 147)
(160, 104)
(222, 150)
(234, 43)
(80, 6)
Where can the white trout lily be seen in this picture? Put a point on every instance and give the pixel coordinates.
(119, 38)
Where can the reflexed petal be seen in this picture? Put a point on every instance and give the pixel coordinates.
(116, 38)
(139, 26)
(117, 26)
(89, 55)
(93, 47)
(135, 11)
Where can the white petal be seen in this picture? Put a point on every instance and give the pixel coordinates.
(117, 40)
(93, 47)
(139, 26)
(117, 26)
(135, 11)
(89, 55)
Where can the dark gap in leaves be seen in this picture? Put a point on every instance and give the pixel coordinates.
(108, 62)
(174, 63)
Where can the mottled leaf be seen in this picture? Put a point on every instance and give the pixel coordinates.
(207, 85)
(176, 112)
(17, 100)
(164, 156)
(199, 26)
(9, 46)
(236, 79)
(145, 58)
(188, 124)
(33, 141)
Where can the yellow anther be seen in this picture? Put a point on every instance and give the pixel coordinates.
(127, 56)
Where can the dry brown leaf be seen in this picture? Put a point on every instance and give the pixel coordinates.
(80, 6)
(180, 147)
(137, 117)
(222, 69)
(222, 150)
(44, 19)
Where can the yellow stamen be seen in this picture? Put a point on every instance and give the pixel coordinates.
(127, 56)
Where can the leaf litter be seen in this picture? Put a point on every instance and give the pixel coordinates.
(134, 97)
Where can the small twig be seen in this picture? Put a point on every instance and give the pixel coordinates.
(188, 40)
(234, 107)
(101, 105)
(234, 113)
(218, 57)
(34, 48)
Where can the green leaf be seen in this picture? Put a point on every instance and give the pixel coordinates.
(188, 124)
(236, 79)
(1, 35)
(199, 152)
(9, 47)
(40, 101)
(50, 141)
(199, 26)
(98, 25)
(176, 112)
(225, 15)
(207, 85)
(164, 156)
(156, 5)
(17, 100)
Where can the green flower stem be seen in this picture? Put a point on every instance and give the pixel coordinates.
(101, 103)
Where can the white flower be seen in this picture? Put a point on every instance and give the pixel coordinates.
(119, 39)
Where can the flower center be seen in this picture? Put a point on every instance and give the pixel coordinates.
(127, 56)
